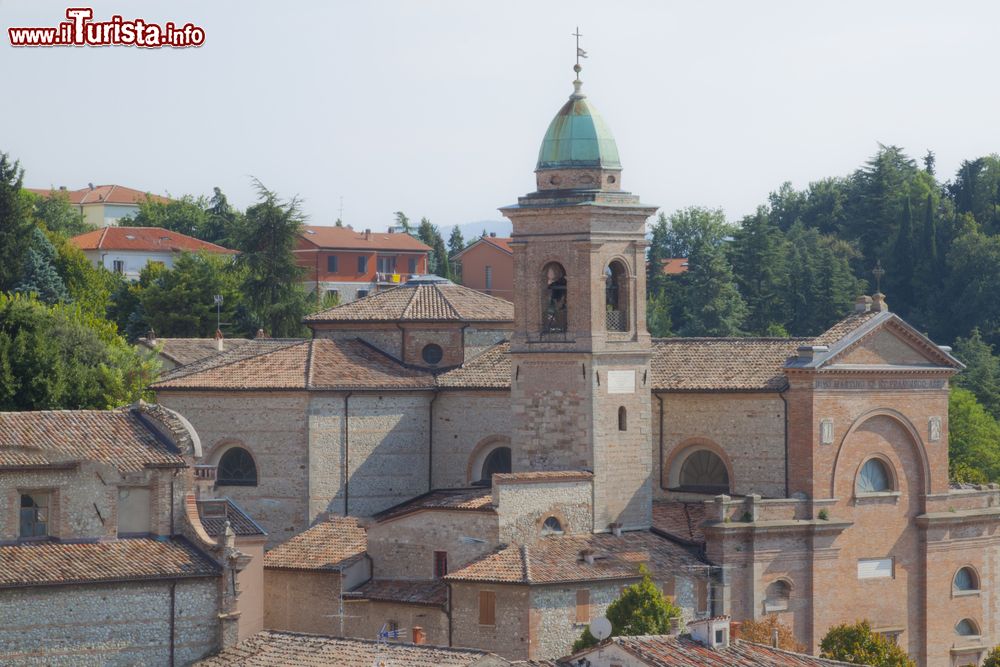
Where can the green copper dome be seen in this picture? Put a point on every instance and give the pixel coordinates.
(578, 137)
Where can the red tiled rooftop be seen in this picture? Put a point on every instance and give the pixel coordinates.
(144, 239)
(683, 651)
(329, 545)
(475, 499)
(428, 592)
(683, 521)
(103, 194)
(345, 238)
(444, 302)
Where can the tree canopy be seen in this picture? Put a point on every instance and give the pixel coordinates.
(859, 645)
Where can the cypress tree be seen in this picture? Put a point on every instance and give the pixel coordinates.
(903, 261)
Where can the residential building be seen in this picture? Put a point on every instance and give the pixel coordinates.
(105, 205)
(127, 250)
(487, 264)
(105, 559)
(353, 264)
(531, 455)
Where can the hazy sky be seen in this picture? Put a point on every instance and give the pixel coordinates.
(438, 108)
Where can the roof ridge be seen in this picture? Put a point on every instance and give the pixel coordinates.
(104, 233)
(309, 364)
(413, 297)
(447, 301)
(525, 564)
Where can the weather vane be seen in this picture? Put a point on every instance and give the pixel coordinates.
(878, 272)
(580, 53)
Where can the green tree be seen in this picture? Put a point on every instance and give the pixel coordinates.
(758, 255)
(903, 260)
(39, 275)
(659, 250)
(180, 302)
(658, 314)
(15, 223)
(186, 215)
(89, 287)
(982, 371)
(402, 221)
(429, 234)
(641, 609)
(221, 220)
(456, 244)
(59, 357)
(691, 226)
(993, 658)
(973, 437)
(858, 645)
(713, 305)
(971, 286)
(58, 215)
(272, 284)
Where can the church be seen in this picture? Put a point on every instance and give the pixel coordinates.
(490, 475)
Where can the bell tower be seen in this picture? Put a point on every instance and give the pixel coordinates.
(580, 349)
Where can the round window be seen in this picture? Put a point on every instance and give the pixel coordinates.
(432, 353)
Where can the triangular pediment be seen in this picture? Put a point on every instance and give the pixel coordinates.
(887, 342)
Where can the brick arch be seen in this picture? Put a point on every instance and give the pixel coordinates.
(687, 447)
(914, 440)
(479, 453)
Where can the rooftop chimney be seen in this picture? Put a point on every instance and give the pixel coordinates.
(863, 304)
(878, 303)
(368, 234)
(616, 529)
(419, 637)
(588, 556)
(260, 334)
(774, 638)
(151, 336)
(711, 632)
(809, 352)
(62, 188)
(218, 340)
(493, 235)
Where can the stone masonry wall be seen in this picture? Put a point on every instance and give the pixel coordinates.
(509, 636)
(272, 426)
(554, 627)
(366, 617)
(478, 340)
(404, 548)
(467, 425)
(523, 507)
(108, 624)
(747, 428)
(301, 601)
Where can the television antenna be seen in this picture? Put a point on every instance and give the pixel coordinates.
(218, 311)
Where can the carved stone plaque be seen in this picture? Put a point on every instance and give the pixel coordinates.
(826, 432)
(934, 428)
(621, 382)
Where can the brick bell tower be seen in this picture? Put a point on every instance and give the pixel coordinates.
(580, 350)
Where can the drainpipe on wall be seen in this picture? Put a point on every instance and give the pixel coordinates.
(447, 610)
(347, 452)
(319, 299)
(781, 395)
(430, 442)
(173, 628)
(659, 399)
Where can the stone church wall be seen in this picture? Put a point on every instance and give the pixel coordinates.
(524, 506)
(478, 341)
(467, 425)
(108, 624)
(748, 428)
(273, 428)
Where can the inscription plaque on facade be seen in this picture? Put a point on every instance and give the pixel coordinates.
(826, 432)
(875, 385)
(934, 428)
(621, 382)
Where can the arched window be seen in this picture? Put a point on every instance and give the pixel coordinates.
(704, 472)
(498, 461)
(236, 468)
(554, 299)
(967, 628)
(777, 596)
(965, 580)
(874, 477)
(551, 526)
(616, 296)
(622, 419)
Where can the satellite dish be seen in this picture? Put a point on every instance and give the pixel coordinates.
(600, 627)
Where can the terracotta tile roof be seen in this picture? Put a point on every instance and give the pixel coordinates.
(557, 559)
(475, 499)
(183, 351)
(673, 266)
(54, 563)
(214, 512)
(317, 364)
(541, 476)
(284, 649)
(683, 651)
(844, 328)
(429, 592)
(488, 370)
(103, 194)
(144, 239)
(683, 521)
(329, 545)
(499, 242)
(345, 238)
(732, 364)
(120, 438)
(443, 302)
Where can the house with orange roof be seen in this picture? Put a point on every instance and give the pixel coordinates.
(127, 250)
(487, 265)
(352, 264)
(104, 205)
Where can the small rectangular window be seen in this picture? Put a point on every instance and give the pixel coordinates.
(331, 264)
(412, 264)
(363, 264)
(487, 608)
(720, 636)
(34, 515)
(489, 277)
(875, 568)
(583, 605)
(362, 293)
(440, 564)
(118, 266)
(386, 263)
